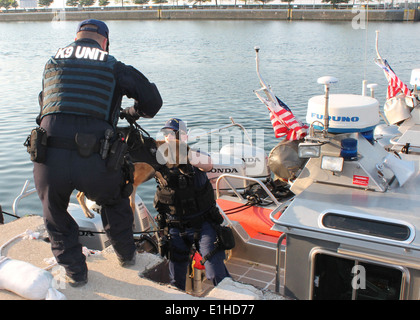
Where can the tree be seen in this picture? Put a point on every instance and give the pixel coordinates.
(288, 2)
(87, 3)
(335, 2)
(122, 2)
(201, 1)
(160, 1)
(264, 1)
(140, 1)
(103, 3)
(72, 3)
(7, 4)
(45, 3)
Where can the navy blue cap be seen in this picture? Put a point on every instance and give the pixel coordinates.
(102, 29)
(176, 125)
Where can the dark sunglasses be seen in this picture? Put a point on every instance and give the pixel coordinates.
(167, 132)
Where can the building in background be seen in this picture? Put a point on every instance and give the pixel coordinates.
(28, 4)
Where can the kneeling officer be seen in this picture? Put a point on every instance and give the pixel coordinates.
(78, 146)
(187, 209)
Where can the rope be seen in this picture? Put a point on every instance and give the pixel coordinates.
(252, 200)
(237, 209)
(9, 214)
(139, 232)
(10, 241)
(13, 239)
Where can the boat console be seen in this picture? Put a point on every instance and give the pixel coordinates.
(351, 228)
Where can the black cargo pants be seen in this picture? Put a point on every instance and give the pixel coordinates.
(55, 180)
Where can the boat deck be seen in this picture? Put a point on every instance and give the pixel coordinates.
(253, 259)
(260, 276)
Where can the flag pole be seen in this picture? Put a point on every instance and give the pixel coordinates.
(263, 84)
(377, 46)
(378, 56)
(265, 88)
(276, 106)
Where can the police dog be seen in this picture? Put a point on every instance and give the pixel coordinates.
(147, 155)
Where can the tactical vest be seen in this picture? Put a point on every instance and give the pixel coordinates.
(180, 197)
(79, 80)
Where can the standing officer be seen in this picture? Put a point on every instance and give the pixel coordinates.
(186, 207)
(80, 101)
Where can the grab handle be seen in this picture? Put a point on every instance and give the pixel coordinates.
(23, 194)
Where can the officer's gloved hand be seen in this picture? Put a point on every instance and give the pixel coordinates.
(129, 114)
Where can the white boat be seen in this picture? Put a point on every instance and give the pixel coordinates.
(350, 229)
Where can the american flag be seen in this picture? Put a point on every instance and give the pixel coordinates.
(284, 122)
(395, 85)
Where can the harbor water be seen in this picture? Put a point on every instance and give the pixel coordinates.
(205, 71)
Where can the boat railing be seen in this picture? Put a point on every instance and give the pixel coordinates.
(23, 194)
(233, 124)
(225, 177)
(394, 141)
(280, 208)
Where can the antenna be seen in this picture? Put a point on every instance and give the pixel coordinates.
(327, 81)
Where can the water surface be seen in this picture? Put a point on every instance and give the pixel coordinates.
(205, 71)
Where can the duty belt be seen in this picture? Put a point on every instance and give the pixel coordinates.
(85, 144)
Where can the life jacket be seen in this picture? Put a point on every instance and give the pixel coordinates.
(79, 80)
(181, 197)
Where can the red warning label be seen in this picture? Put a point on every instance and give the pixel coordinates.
(360, 180)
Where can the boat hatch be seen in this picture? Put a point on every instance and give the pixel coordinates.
(370, 227)
(341, 278)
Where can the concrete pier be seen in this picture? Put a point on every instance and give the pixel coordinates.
(213, 14)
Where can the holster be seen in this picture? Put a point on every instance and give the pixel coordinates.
(86, 144)
(225, 238)
(36, 145)
(161, 220)
(116, 155)
(225, 241)
(164, 246)
(128, 176)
